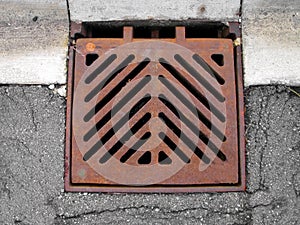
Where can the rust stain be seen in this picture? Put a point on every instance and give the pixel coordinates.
(90, 47)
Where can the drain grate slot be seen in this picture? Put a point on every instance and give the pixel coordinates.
(193, 128)
(126, 137)
(210, 70)
(184, 138)
(115, 128)
(100, 69)
(174, 147)
(115, 90)
(192, 108)
(111, 76)
(192, 89)
(200, 78)
(153, 111)
(135, 147)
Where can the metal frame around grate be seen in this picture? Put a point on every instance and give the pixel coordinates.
(157, 114)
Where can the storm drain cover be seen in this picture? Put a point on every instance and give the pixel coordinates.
(154, 115)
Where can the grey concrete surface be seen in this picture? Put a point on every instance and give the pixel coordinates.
(34, 34)
(220, 10)
(34, 41)
(32, 124)
(271, 45)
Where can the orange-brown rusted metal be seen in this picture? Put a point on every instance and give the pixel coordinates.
(155, 115)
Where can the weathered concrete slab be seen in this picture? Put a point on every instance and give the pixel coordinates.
(34, 34)
(222, 10)
(32, 126)
(271, 31)
(34, 37)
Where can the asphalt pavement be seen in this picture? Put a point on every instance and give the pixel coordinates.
(32, 127)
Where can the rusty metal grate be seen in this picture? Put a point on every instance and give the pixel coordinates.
(155, 115)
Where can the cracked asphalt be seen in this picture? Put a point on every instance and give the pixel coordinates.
(32, 126)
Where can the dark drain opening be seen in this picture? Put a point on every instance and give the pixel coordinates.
(153, 29)
(145, 158)
(90, 58)
(218, 58)
(205, 31)
(163, 158)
